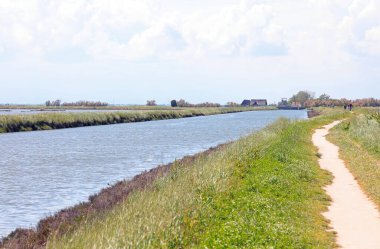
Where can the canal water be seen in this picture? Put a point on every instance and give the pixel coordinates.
(42, 172)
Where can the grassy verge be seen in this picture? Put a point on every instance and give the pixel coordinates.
(110, 107)
(263, 191)
(47, 121)
(359, 141)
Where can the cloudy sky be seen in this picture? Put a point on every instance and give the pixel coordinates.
(128, 51)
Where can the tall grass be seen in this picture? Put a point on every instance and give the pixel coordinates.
(110, 107)
(365, 129)
(263, 191)
(359, 141)
(46, 121)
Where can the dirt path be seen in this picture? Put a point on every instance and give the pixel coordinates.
(353, 216)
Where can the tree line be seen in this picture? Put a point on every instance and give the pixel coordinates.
(308, 99)
(77, 103)
(184, 103)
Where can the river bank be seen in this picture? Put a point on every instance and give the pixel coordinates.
(56, 120)
(67, 220)
(266, 183)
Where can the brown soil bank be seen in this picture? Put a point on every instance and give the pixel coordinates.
(312, 113)
(66, 220)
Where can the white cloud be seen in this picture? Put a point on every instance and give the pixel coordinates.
(234, 30)
(361, 26)
(21, 35)
(130, 29)
(371, 42)
(364, 9)
(164, 32)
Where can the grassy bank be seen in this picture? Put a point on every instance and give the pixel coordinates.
(110, 107)
(47, 121)
(359, 141)
(263, 191)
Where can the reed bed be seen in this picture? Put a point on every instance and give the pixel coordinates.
(55, 120)
(62, 108)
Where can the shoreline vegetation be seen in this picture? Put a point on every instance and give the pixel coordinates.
(68, 219)
(358, 140)
(63, 108)
(57, 120)
(260, 190)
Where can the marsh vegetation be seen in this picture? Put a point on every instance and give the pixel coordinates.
(58, 120)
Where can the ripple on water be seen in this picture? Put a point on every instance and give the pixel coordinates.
(44, 171)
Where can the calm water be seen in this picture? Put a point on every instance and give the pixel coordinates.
(44, 171)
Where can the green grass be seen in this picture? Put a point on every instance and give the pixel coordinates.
(57, 120)
(110, 107)
(359, 141)
(262, 191)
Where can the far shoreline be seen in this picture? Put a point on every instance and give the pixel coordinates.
(61, 120)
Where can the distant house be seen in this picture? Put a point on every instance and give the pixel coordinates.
(254, 102)
(246, 102)
(259, 102)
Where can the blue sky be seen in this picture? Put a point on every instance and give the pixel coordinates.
(129, 51)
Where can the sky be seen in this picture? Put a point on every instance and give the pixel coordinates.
(130, 51)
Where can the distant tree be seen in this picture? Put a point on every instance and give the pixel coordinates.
(183, 103)
(173, 103)
(207, 104)
(326, 100)
(57, 102)
(151, 103)
(232, 104)
(301, 98)
(53, 102)
(368, 102)
(85, 103)
(324, 97)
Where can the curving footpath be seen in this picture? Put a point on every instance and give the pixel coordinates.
(354, 217)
